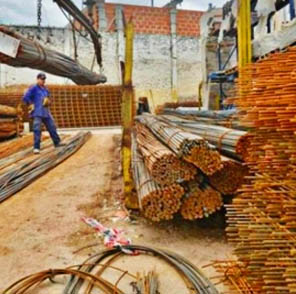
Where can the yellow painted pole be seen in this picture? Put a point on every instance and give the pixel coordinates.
(244, 33)
(127, 118)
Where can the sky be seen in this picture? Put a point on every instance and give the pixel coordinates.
(24, 12)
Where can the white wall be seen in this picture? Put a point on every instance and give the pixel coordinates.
(152, 62)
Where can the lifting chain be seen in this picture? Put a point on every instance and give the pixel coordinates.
(39, 11)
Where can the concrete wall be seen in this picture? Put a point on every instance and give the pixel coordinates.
(163, 62)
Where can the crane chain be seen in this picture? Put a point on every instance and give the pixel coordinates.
(39, 13)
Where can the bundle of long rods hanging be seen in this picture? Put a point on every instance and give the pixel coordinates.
(163, 165)
(262, 218)
(190, 147)
(157, 203)
(16, 176)
(32, 54)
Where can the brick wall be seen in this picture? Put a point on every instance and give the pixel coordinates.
(153, 20)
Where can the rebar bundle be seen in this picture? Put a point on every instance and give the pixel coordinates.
(190, 147)
(163, 165)
(9, 121)
(75, 106)
(230, 178)
(230, 142)
(7, 111)
(8, 128)
(32, 54)
(17, 176)
(157, 203)
(13, 146)
(160, 109)
(146, 284)
(201, 200)
(234, 274)
(225, 118)
(88, 277)
(262, 219)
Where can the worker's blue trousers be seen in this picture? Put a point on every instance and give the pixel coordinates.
(50, 127)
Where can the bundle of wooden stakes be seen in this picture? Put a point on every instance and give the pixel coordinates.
(157, 203)
(190, 147)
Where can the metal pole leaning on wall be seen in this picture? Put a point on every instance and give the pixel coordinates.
(127, 118)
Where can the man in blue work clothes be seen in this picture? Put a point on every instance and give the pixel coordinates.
(37, 97)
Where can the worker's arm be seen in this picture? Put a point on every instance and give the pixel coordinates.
(28, 97)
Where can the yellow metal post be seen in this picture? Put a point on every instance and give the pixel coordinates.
(127, 118)
(244, 33)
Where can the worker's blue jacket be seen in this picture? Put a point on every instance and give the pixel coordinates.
(35, 95)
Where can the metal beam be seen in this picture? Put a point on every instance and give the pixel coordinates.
(244, 33)
(127, 118)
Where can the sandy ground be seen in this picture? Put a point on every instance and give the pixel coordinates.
(41, 227)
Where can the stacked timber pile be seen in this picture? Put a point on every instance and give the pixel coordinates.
(19, 169)
(262, 219)
(171, 154)
(9, 122)
(190, 147)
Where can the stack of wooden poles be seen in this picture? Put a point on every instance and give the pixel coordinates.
(262, 219)
(165, 155)
(9, 122)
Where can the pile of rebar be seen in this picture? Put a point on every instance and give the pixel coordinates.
(166, 155)
(164, 166)
(75, 106)
(201, 200)
(33, 55)
(16, 145)
(156, 202)
(190, 147)
(89, 276)
(230, 177)
(9, 121)
(18, 171)
(262, 219)
(160, 109)
(226, 118)
(230, 142)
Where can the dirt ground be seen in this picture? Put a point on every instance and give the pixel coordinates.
(41, 227)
